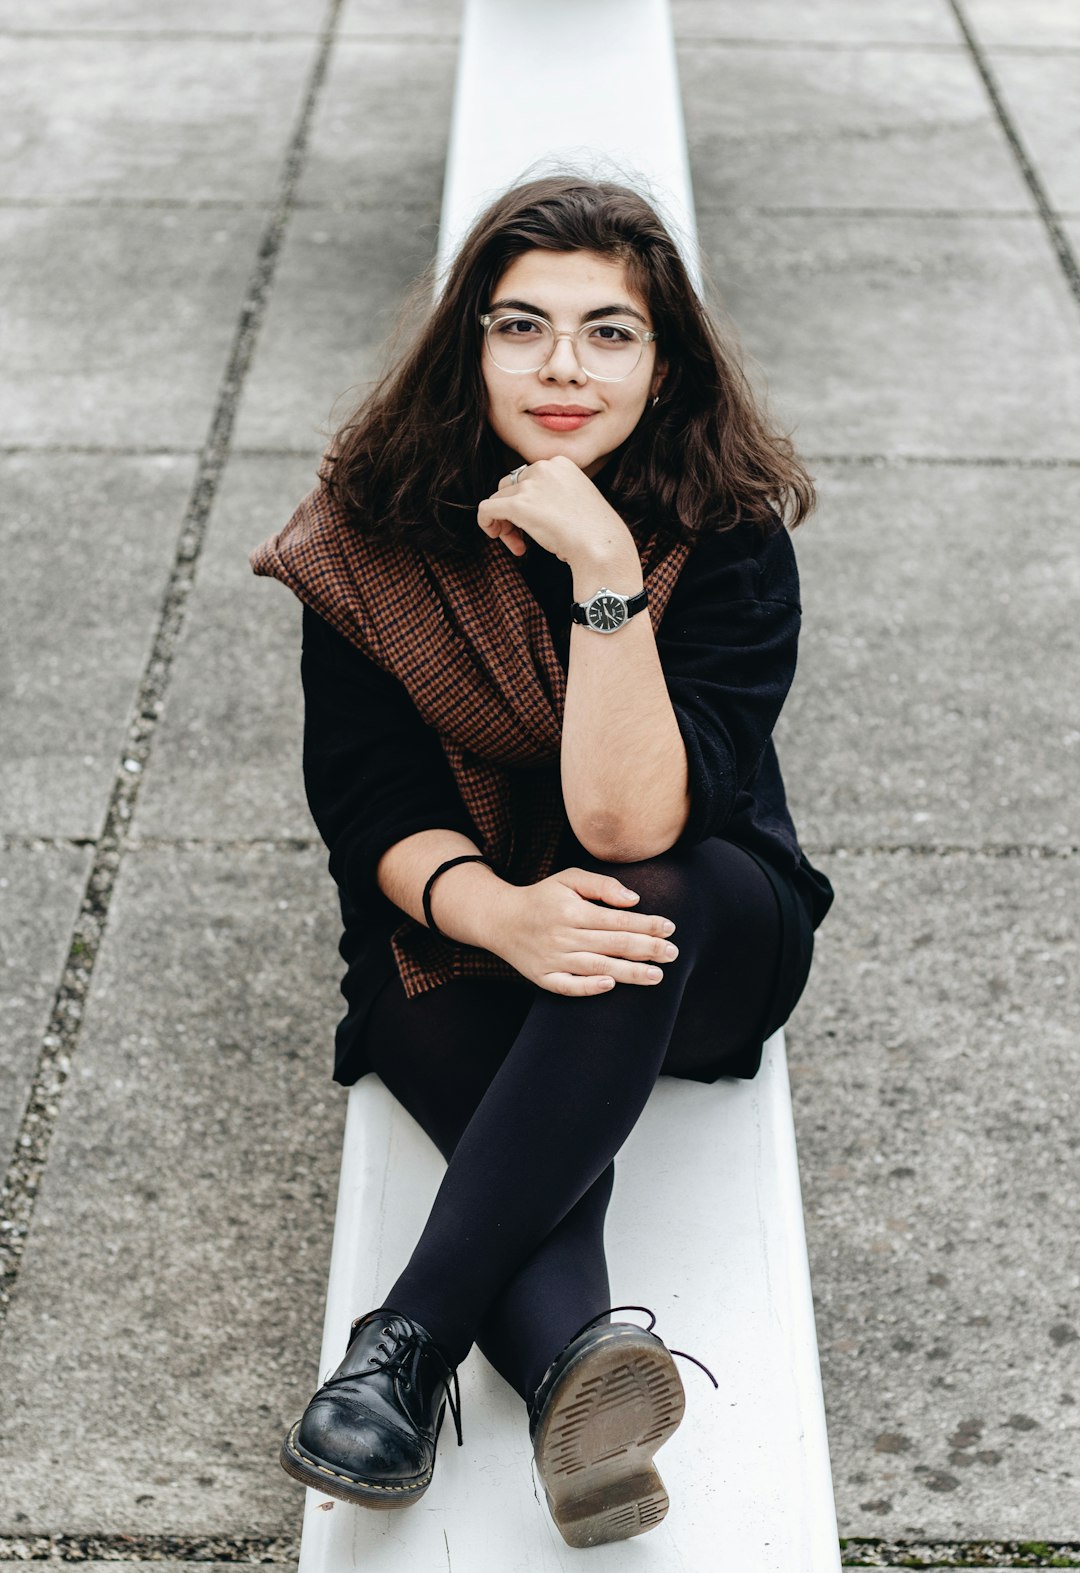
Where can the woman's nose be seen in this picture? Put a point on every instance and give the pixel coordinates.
(562, 364)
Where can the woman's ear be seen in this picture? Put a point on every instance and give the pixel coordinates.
(659, 375)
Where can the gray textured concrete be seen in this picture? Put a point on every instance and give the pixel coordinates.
(891, 334)
(88, 541)
(846, 128)
(1041, 24)
(918, 714)
(380, 137)
(933, 1072)
(819, 21)
(164, 16)
(118, 321)
(40, 890)
(168, 1314)
(1043, 94)
(420, 18)
(340, 280)
(202, 119)
(227, 763)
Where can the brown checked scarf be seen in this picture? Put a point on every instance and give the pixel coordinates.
(472, 647)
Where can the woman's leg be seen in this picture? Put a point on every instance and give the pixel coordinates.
(573, 1083)
(437, 1054)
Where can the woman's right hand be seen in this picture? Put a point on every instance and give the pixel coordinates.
(557, 935)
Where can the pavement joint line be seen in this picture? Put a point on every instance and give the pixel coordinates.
(1058, 238)
(98, 449)
(45, 1547)
(206, 35)
(60, 1039)
(823, 210)
(857, 1552)
(14, 842)
(910, 46)
(183, 204)
(1062, 851)
(275, 1549)
(250, 451)
(994, 461)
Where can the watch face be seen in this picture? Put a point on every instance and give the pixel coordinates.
(606, 613)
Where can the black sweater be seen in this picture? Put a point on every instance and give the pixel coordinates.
(376, 773)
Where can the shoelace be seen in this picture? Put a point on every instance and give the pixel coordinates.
(652, 1323)
(394, 1358)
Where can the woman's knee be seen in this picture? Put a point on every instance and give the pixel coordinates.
(714, 890)
(667, 883)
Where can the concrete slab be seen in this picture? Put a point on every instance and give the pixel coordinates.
(40, 891)
(843, 128)
(227, 759)
(192, 119)
(1039, 24)
(419, 19)
(933, 1074)
(819, 21)
(921, 712)
(168, 1308)
(164, 16)
(340, 280)
(118, 321)
(87, 543)
(873, 331)
(1043, 96)
(382, 123)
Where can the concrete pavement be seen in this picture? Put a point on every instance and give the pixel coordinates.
(208, 215)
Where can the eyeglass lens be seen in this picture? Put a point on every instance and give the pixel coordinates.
(603, 349)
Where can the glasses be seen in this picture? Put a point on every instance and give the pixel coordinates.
(608, 351)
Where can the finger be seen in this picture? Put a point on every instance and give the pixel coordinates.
(588, 963)
(600, 887)
(628, 944)
(571, 983)
(503, 529)
(612, 920)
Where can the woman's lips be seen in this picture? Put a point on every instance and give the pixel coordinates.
(563, 420)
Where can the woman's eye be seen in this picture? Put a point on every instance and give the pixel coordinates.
(517, 327)
(611, 333)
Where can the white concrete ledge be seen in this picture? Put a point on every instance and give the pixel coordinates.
(542, 83)
(706, 1227)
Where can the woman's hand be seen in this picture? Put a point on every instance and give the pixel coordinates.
(556, 504)
(556, 935)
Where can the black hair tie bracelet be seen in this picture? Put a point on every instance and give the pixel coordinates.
(469, 857)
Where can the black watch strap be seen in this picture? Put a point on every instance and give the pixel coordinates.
(634, 603)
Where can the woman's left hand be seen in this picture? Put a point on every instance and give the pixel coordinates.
(555, 504)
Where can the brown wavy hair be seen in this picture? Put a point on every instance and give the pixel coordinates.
(417, 456)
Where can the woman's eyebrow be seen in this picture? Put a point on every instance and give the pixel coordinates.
(618, 310)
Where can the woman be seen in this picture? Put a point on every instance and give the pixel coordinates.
(550, 617)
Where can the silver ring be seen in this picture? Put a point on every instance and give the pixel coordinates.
(515, 475)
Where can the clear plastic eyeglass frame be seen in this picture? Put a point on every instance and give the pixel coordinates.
(488, 320)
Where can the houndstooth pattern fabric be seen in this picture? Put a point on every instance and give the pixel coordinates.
(472, 647)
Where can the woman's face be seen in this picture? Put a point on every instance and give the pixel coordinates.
(568, 288)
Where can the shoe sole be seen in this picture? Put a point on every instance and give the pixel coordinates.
(608, 1414)
(311, 1471)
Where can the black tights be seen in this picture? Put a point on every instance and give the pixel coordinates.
(529, 1095)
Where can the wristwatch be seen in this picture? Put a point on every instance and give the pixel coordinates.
(607, 610)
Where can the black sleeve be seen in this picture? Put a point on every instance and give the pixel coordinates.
(373, 770)
(728, 644)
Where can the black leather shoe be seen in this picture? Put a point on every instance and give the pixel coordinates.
(605, 1405)
(369, 1434)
